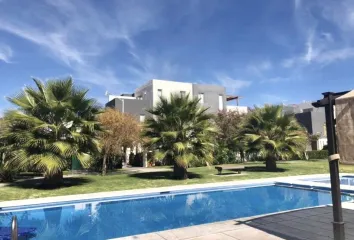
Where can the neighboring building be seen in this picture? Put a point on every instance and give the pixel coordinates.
(147, 96)
(313, 119)
(239, 109)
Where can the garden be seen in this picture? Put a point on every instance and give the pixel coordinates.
(55, 125)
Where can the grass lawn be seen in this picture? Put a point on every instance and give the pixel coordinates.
(122, 181)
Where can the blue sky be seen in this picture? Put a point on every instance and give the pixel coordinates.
(270, 51)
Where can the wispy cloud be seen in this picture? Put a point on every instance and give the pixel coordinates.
(257, 69)
(275, 80)
(233, 85)
(5, 53)
(297, 4)
(320, 47)
(77, 34)
(147, 66)
(273, 99)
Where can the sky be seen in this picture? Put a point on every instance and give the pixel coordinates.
(274, 51)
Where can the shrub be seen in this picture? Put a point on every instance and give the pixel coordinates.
(322, 154)
(224, 155)
(7, 174)
(113, 162)
(197, 163)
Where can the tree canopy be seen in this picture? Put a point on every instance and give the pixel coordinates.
(273, 135)
(121, 130)
(54, 122)
(181, 131)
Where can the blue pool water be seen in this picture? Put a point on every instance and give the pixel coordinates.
(345, 180)
(104, 220)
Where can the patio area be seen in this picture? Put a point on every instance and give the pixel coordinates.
(304, 224)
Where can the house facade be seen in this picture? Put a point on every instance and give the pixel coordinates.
(313, 119)
(148, 95)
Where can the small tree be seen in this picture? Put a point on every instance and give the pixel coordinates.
(181, 131)
(272, 135)
(53, 123)
(229, 124)
(121, 130)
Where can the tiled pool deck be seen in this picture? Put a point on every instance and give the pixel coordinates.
(305, 224)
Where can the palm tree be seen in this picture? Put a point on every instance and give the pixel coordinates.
(273, 135)
(180, 131)
(54, 123)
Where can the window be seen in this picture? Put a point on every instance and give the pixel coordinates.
(221, 103)
(307, 110)
(201, 98)
(142, 118)
(159, 92)
(183, 93)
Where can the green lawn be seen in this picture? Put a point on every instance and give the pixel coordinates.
(123, 181)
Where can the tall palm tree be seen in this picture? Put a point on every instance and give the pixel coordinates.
(54, 123)
(180, 131)
(272, 135)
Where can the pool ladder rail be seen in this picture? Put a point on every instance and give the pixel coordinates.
(14, 228)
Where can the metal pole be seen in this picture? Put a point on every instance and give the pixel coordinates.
(338, 224)
(14, 229)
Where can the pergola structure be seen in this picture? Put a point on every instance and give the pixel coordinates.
(328, 103)
(233, 97)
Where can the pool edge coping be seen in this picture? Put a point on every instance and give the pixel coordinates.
(126, 193)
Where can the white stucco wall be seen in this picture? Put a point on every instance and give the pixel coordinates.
(321, 143)
(239, 109)
(169, 87)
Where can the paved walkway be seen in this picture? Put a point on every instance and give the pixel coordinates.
(305, 224)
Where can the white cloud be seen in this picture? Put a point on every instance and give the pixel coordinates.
(148, 66)
(260, 67)
(5, 53)
(323, 47)
(335, 55)
(288, 63)
(297, 4)
(275, 80)
(272, 99)
(232, 85)
(77, 34)
(320, 57)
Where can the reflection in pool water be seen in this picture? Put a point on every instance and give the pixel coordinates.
(103, 220)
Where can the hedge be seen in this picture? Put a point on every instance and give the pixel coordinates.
(321, 154)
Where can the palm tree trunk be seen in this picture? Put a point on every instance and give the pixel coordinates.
(180, 172)
(53, 180)
(271, 164)
(104, 165)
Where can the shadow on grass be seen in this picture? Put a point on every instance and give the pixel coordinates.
(162, 175)
(39, 184)
(263, 169)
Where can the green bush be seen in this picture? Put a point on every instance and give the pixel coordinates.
(321, 154)
(197, 163)
(7, 174)
(224, 155)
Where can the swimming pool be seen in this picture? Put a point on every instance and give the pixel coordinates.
(118, 218)
(344, 180)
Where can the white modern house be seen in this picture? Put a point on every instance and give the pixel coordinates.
(147, 96)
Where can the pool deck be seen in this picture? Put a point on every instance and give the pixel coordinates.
(304, 224)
